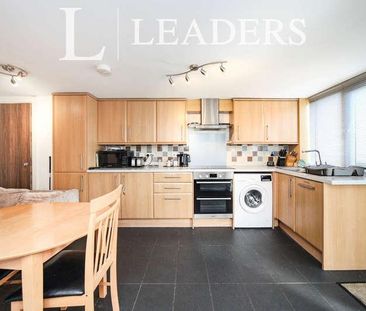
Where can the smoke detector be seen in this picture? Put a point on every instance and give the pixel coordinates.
(104, 69)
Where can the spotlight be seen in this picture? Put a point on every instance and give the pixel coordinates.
(203, 71)
(222, 68)
(13, 81)
(171, 81)
(187, 78)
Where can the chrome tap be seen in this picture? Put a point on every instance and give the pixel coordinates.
(317, 151)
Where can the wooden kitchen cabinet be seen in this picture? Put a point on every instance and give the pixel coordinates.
(286, 200)
(281, 121)
(265, 121)
(168, 205)
(102, 183)
(248, 121)
(67, 181)
(112, 121)
(171, 121)
(74, 133)
(137, 199)
(141, 121)
(309, 211)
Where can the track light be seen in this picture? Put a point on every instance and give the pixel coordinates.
(193, 68)
(187, 78)
(13, 81)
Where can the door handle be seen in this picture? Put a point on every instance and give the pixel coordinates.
(25, 164)
(306, 186)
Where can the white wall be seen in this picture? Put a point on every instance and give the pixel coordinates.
(41, 135)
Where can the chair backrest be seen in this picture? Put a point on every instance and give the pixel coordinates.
(101, 246)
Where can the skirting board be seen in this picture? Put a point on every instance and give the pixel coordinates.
(303, 243)
(202, 222)
(179, 223)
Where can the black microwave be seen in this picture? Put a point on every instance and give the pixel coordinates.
(114, 158)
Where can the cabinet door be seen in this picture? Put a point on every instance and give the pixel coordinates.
(179, 205)
(67, 181)
(309, 211)
(286, 200)
(102, 183)
(248, 121)
(69, 133)
(137, 196)
(112, 121)
(171, 121)
(141, 121)
(281, 121)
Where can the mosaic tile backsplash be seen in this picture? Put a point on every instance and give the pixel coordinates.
(236, 154)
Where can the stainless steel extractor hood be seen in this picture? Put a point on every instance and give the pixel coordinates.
(210, 116)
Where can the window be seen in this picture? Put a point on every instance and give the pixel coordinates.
(326, 129)
(338, 127)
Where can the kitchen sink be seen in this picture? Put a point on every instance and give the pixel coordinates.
(330, 170)
(294, 169)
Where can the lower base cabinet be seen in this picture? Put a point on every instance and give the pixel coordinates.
(173, 205)
(66, 181)
(300, 208)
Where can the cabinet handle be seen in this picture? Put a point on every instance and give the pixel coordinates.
(181, 132)
(81, 183)
(172, 199)
(81, 162)
(306, 186)
(267, 126)
(237, 132)
(172, 177)
(172, 188)
(124, 189)
(290, 184)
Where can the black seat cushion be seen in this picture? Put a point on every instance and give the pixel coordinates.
(63, 276)
(4, 273)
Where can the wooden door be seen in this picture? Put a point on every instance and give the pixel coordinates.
(112, 121)
(141, 121)
(248, 121)
(69, 133)
(281, 121)
(309, 211)
(171, 121)
(15, 146)
(286, 200)
(137, 200)
(67, 181)
(102, 183)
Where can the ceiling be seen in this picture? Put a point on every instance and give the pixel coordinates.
(32, 36)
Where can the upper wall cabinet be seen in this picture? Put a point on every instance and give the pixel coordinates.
(265, 121)
(74, 133)
(171, 121)
(141, 121)
(281, 121)
(112, 121)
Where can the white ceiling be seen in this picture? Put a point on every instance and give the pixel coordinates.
(32, 35)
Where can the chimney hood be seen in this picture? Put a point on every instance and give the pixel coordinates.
(210, 116)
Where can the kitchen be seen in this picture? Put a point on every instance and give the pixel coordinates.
(193, 180)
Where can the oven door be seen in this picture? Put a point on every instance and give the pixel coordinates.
(213, 197)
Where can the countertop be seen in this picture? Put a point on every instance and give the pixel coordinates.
(339, 180)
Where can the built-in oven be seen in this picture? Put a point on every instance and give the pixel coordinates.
(213, 194)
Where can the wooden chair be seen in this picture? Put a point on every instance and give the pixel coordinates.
(71, 277)
(6, 275)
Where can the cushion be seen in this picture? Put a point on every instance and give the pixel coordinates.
(49, 196)
(63, 276)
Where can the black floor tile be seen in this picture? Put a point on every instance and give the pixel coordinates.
(268, 297)
(192, 297)
(191, 267)
(162, 265)
(231, 297)
(305, 297)
(338, 298)
(220, 236)
(155, 298)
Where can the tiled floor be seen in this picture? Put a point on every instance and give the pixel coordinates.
(221, 269)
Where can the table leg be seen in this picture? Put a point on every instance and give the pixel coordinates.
(32, 282)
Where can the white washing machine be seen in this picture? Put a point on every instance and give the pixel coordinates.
(252, 200)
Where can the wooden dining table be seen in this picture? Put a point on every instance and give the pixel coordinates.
(31, 234)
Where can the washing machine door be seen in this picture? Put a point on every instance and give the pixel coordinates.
(252, 199)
